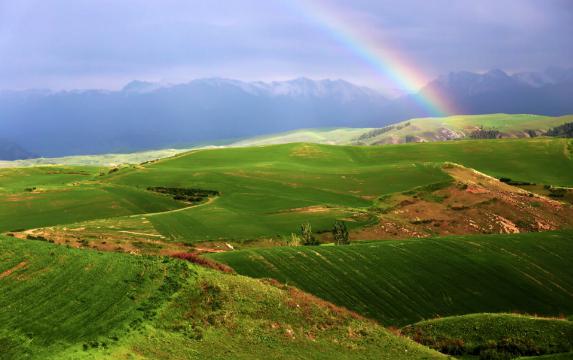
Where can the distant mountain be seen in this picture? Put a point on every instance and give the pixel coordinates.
(145, 115)
(12, 151)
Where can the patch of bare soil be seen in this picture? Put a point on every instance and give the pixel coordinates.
(135, 235)
(12, 270)
(306, 150)
(474, 203)
(310, 209)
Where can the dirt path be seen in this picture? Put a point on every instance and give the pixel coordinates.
(209, 201)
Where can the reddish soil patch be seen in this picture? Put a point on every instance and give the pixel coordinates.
(12, 270)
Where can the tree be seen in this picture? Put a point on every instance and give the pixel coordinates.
(306, 235)
(340, 233)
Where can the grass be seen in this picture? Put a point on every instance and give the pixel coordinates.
(54, 298)
(60, 303)
(403, 282)
(260, 187)
(265, 192)
(472, 334)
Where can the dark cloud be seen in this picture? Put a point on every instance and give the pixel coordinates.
(104, 43)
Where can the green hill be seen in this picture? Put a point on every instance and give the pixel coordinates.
(60, 303)
(265, 191)
(413, 130)
(420, 130)
(509, 333)
(402, 282)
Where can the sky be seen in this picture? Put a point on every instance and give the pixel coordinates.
(80, 44)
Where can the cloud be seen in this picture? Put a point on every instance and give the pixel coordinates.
(84, 43)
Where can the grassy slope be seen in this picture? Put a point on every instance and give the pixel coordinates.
(53, 297)
(482, 331)
(337, 136)
(66, 195)
(59, 299)
(513, 125)
(261, 186)
(402, 282)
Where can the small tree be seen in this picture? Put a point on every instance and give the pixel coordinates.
(306, 235)
(340, 233)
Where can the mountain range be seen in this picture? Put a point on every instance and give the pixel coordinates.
(145, 115)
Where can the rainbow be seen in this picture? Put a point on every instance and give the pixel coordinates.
(383, 59)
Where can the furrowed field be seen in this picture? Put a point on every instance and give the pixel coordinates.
(402, 282)
(53, 297)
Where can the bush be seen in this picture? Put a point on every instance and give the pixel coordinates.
(189, 195)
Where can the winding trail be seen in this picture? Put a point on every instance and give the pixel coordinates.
(209, 201)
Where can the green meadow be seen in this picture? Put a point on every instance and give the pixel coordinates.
(266, 191)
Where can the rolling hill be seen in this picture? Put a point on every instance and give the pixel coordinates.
(267, 192)
(402, 282)
(68, 303)
(60, 303)
(421, 130)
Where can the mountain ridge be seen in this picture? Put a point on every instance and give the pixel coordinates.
(146, 115)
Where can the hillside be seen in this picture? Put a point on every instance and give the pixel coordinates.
(93, 305)
(267, 192)
(421, 130)
(413, 130)
(402, 282)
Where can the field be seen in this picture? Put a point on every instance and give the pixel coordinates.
(60, 303)
(402, 282)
